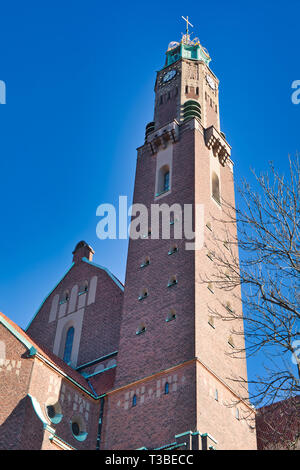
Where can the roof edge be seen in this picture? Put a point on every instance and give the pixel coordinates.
(116, 281)
(48, 296)
(32, 350)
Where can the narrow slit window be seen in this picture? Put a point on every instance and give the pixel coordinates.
(69, 344)
(141, 329)
(172, 281)
(163, 180)
(210, 287)
(146, 262)
(173, 249)
(166, 180)
(231, 342)
(171, 315)
(215, 188)
(143, 294)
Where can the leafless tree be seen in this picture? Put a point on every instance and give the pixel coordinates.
(261, 267)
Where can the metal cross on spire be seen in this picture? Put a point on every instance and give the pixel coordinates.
(187, 24)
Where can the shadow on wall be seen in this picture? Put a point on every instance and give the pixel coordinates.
(22, 430)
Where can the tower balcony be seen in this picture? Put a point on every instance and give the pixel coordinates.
(160, 138)
(215, 141)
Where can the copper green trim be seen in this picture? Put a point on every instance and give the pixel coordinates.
(87, 376)
(210, 437)
(107, 272)
(38, 411)
(19, 336)
(66, 375)
(95, 361)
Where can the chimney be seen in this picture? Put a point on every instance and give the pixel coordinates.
(82, 250)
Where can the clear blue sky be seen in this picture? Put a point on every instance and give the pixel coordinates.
(80, 78)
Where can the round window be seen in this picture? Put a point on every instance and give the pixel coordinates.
(75, 429)
(54, 412)
(78, 428)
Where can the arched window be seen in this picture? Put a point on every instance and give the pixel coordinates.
(69, 344)
(166, 388)
(215, 187)
(134, 400)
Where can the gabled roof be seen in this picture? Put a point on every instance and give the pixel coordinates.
(35, 349)
(116, 281)
(119, 283)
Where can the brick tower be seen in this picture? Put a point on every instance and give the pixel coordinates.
(173, 382)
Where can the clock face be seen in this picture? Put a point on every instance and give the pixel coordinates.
(169, 75)
(210, 82)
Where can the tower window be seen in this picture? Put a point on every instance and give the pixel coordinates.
(166, 180)
(210, 287)
(173, 250)
(171, 315)
(141, 329)
(163, 183)
(229, 307)
(215, 188)
(216, 395)
(172, 281)
(197, 90)
(69, 344)
(146, 262)
(134, 400)
(186, 89)
(237, 413)
(143, 294)
(166, 388)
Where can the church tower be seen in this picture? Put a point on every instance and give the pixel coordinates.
(173, 387)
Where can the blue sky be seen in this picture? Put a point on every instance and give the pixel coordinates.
(80, 78)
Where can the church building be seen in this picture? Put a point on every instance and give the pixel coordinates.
(143, 365)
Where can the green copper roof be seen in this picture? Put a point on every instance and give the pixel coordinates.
(186, 49)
